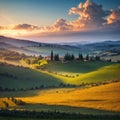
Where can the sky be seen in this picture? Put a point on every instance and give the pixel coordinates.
(60, 20)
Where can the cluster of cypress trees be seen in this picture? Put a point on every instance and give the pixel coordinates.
(70, 57)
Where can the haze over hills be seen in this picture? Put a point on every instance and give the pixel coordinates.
(23, 42)
(37, 48)
(17, 42)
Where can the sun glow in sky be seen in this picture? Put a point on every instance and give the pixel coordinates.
(60, 20)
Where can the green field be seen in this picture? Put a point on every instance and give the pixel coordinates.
(19, 77)
(32, 115)
(76, 66)
(56, 73)
(26, 118)
(87, 72)
(21, 118)
(103, 74)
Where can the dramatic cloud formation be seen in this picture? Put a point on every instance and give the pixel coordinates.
(113, 20)
(90, 14)
(91, 17)
(114, 16)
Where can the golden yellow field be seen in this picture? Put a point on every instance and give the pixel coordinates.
(104, 97)
(10, 103)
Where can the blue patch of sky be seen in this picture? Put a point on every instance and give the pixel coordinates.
(46, 12)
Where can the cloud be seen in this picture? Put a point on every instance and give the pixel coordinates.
(61, 25)
(92, 20)
(90, 14)
(91, 17)
(114, 16)
(113, 22)
(2, 27)
(19, 30)
(25, 27)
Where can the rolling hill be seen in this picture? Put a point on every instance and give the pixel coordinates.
(103, 74)
(103, 49)
(34, 48)
(104, 97)
(76, 66)
(19, 77)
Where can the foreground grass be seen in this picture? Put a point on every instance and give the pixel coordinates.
(33, 115)
(105, 97)
(18, 118)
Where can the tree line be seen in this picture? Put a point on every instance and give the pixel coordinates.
(60, 85)
(55, 115)
(70, 57)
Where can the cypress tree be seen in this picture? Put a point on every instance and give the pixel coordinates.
(51, 55)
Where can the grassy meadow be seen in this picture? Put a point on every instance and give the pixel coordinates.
(99, 97)
(104, 74)
(20, 77)
(95, 100)
(59, 60)
(76, 66)
(27, 84)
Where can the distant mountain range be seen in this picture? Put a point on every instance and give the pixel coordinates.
(23, 43)
(17, 42)
(31, 47)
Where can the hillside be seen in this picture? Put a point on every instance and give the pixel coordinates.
(76, 66)
(103, 74)
(17, 42)
(24, 78)
(35, 48)
(104, 97)
(27, 78)
(107, 49)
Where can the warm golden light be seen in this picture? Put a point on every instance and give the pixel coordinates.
(13, 33)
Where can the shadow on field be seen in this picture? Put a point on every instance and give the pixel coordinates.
(66, 109)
